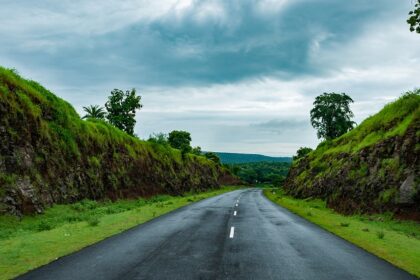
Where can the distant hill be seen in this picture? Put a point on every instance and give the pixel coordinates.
(245, 158)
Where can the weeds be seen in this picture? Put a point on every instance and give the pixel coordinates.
(93, 221)
(380, 234)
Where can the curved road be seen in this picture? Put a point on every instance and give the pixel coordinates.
(237, 235)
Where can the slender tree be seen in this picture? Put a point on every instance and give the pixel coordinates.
(94, 112)
(331, 115)
(121, 107)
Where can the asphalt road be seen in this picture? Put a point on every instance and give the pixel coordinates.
(237, 235)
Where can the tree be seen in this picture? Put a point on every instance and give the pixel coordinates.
(414, 19)
(159, 138)
(213, 157)
(331, 115)
(94, 112)
(196, 151)
(302, 152)
(181, 140)
(121, 107)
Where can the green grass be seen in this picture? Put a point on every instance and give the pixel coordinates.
(52, 146)
(34, 241)
(396, 241)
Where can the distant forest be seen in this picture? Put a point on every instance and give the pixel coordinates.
(231, 158)
(261, 172)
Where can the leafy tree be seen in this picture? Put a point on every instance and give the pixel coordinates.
(414, 19)
(261, 172)
(181, 140)
(159, 138)
(197, 151)
(213, 157)
(121, 107)
(302, 152)
(331, 115)
(94, 112)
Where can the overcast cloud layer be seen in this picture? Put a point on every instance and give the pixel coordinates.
(240, 75)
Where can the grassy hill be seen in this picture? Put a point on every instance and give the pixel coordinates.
(49, 155)
(229, 158)
(373, 168)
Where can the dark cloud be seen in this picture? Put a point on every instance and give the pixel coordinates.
(241, 43)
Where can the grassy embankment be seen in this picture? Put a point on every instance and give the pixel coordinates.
(49, 155)
(37, 240)
(396, 241)
(363, 170)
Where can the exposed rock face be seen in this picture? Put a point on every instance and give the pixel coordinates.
(382, 176)
(48, 155)
(407, 191)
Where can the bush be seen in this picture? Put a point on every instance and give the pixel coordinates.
(93, 221)
(344, 224)
(380, 234)
(44, 226)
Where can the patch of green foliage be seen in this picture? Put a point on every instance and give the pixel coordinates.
(394, 240)
(261, 172)
(302, 152)
(414, 18)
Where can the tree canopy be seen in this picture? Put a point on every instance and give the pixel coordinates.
(414, 19)
(302, 152)
(121, 107)
(181, 140)
(331, 115)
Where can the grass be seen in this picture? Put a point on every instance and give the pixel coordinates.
(87, 157)
(396, 241)
(37, 240)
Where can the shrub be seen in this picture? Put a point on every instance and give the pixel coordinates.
(380, 234)
(44, 226)
(93, 221)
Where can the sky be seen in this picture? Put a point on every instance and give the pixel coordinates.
(240, 75)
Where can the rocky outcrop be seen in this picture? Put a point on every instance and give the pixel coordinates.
(49, 155)
(382, 175)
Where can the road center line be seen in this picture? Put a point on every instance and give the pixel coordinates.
(234, 213)
(232, 232)
(236, 205)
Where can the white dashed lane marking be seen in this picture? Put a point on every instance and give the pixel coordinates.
(232, 232)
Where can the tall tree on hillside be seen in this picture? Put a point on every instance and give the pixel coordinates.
(331, 115)
(121, 107)
(94, 112)
(181, 140)
(414, 19)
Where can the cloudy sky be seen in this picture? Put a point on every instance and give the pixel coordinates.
(240, 75)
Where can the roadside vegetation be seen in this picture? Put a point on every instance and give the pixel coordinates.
(394, 240)
(33, 241)
(49, 154)
(365, 168)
